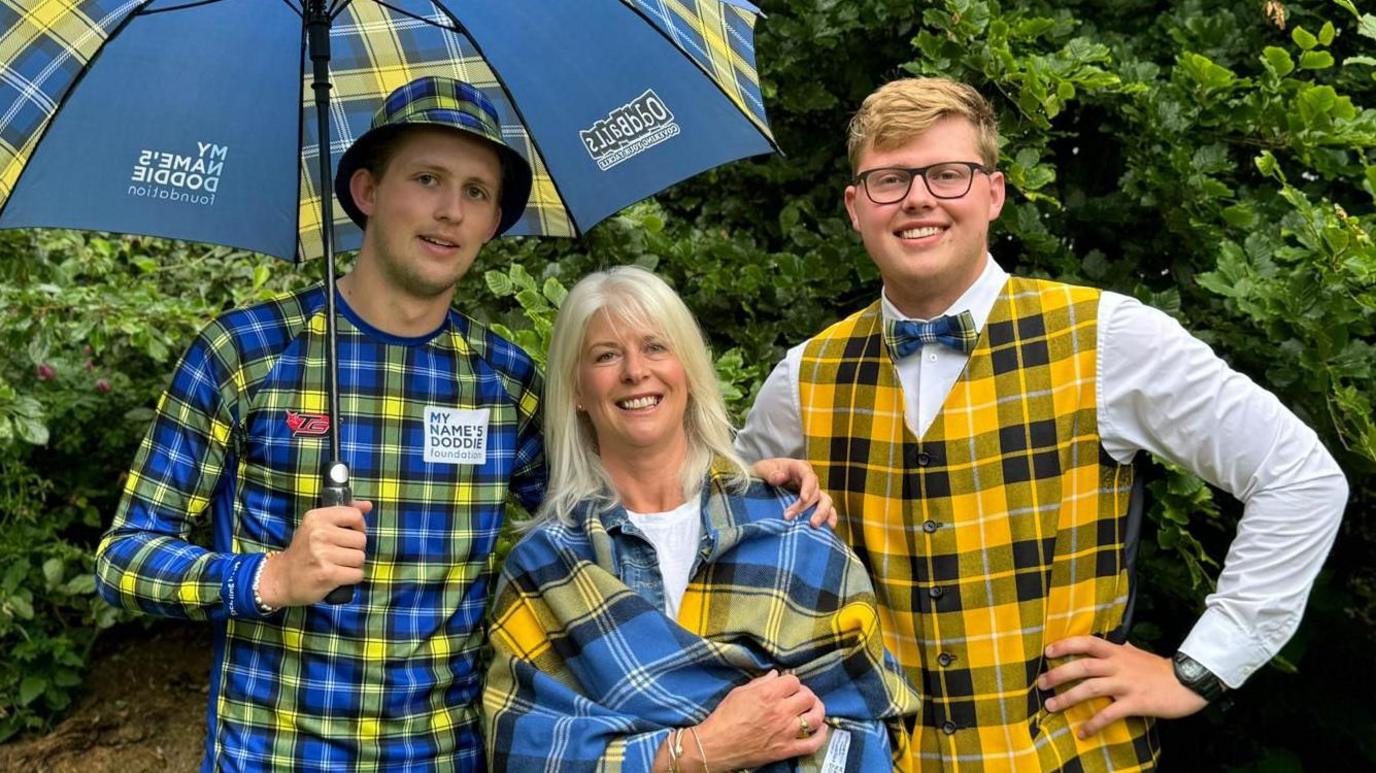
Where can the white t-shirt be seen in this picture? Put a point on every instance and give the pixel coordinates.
(675, 535)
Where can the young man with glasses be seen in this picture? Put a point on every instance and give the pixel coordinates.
(977, 431)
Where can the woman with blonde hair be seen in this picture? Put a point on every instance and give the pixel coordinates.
(661, 614)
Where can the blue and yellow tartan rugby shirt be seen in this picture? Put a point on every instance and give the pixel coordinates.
(437, 430)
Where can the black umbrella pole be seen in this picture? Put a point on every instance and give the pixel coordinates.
(335, 490)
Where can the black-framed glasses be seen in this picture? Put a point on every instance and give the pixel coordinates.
(947, 180)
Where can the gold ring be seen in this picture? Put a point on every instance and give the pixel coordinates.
(804, 729)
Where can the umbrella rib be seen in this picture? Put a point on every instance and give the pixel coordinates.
(515, 106)
(146, 12)
(650, 23)
(422, 19)
(338, 9)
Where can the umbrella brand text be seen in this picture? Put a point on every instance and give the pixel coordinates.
(455, 436)
(179, 177)
(628, 130)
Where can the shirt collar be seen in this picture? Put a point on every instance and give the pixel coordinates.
(978, 298)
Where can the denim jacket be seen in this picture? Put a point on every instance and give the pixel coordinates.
(637, 563)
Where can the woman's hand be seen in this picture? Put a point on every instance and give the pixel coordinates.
(798, 476)
(761, 722)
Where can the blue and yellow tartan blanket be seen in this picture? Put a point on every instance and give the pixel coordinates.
(589, 675)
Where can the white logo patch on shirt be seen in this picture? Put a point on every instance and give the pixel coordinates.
(455, 436)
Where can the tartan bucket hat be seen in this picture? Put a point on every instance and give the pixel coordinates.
(437, 101)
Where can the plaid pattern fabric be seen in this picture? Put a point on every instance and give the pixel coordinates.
(719, 36)
(906, 336)
(44, 45)
(390, 680)
(463, 104)
(377, 49)
(589, 675)
(999, 531)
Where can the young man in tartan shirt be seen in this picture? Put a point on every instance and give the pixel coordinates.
(389, 680)
(977, 432)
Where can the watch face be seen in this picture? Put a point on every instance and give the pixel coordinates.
(1190, 671)
(1195, 676)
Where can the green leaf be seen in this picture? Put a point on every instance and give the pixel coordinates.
(498, 282)
(1336, 238)
(1326, 33)
(530, 299)
(1316, 101)
(31, 688)
(22, 605)
(157, 349)
(38, 349)
(14, 577)
(1367, 60)
(1266, 164)
(1366, 26)
(1316, 60)
(139, 415)
(53, 571)
(1240, 216)
(28, 407)
(555, 292)
(1303, 38)
(30, 430)
(106, 616)
(1184, 484)
(81, 585)
(1206, 73)
(1278, 61)
(1096, 265)
(789, 217)
(522, 278)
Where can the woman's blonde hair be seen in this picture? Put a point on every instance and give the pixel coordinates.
(900, 110)
(637, 299)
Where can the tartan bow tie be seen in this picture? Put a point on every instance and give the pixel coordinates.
(907, 336)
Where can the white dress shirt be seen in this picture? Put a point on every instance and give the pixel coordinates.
(1164, 391)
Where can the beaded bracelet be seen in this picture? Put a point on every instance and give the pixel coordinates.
(257, 578)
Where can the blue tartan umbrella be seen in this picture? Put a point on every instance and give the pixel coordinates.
(201, 119)
(195, 119)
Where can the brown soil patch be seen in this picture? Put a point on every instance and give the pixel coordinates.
(143, 710)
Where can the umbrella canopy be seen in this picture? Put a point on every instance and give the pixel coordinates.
(194, 119)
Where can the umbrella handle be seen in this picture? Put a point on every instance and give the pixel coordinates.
(335, 493)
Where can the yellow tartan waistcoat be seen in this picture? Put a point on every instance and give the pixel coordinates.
(1002, 529)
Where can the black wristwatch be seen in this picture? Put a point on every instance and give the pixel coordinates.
(1198, 678)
